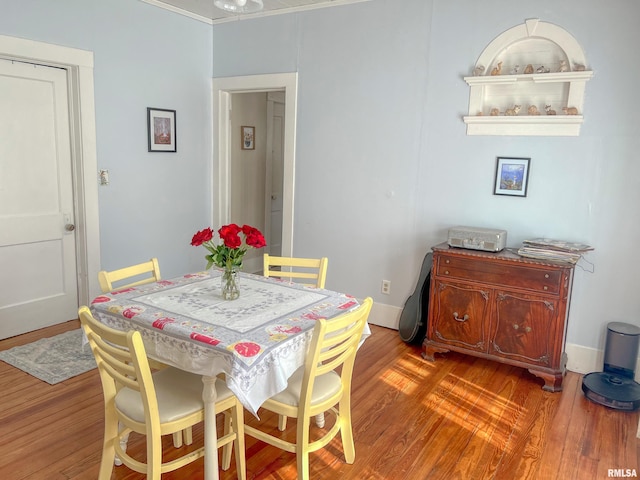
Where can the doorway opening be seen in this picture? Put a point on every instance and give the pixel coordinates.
(257, 168)
(283, 90)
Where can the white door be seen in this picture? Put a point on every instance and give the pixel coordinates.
(38, 282)
(274, 178)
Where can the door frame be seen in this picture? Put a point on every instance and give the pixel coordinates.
(223, 88)
(79, 66)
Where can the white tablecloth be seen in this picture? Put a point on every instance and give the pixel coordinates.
(258, 340)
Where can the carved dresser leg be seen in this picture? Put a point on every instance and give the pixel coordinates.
(552, 381)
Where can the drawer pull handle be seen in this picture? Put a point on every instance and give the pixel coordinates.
(546, 275)
(458, 319)
(545, 288)
(517, 327)
(446, 272)
(446, 261)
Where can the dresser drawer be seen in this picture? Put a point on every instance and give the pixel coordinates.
(499, 273)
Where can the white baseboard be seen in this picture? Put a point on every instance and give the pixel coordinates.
(586, 360)
(583, 359)
(385, 315)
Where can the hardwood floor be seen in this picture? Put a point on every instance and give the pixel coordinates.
(458, 418)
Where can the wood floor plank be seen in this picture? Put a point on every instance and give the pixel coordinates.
(461, 424)
(526, 442)
(495, 417)
(559, 431)
(456, 418)
(580, 435)
(420, 432)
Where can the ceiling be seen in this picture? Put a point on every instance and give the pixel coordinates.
(205, 11)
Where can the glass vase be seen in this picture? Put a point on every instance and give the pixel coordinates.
(229, 285)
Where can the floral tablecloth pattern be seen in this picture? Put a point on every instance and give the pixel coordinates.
(258, 340)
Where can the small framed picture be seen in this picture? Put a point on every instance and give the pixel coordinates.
(161, 130)
(248, 138)
(512, 176)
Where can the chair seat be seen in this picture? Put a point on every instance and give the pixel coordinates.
(325, 387)
(179, 393)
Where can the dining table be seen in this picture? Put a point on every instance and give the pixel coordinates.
(257, 340)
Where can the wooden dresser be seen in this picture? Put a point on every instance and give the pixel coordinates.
(502, 307)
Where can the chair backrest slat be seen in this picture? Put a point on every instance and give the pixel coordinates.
(121, 359)
(297, 268)
(150, 270)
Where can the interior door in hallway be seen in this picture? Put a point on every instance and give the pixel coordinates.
(38, 280)
(275, 171)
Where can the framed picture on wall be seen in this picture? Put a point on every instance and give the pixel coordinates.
(512, 176)
(248, 135)
(161, 130)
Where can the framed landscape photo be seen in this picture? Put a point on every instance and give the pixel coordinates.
(161, 130)
(512, 176)
(248, 138)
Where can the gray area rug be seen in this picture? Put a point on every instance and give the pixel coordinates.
(53, 359)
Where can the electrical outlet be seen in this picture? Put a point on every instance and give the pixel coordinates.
(386, 287)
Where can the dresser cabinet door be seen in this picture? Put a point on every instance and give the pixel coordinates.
(524, 326)
(460, 316)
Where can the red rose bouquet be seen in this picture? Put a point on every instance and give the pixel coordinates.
(229, 253)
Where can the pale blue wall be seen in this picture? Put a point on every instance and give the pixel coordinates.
(144, 57)
(383, 163)
(384, 166)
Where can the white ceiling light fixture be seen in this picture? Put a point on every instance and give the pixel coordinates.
(239, 6)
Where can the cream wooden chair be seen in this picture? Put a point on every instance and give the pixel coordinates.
(141, 274)
(316, 388)
(154, 405)
(312, 272)
(150, 272)
(306, 271)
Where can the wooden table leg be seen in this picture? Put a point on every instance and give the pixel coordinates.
(209, 396)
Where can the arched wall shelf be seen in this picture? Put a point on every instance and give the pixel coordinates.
(555, 79)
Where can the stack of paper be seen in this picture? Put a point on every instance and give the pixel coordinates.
(554, 250)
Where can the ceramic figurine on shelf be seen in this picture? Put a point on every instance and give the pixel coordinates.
(497, 70)
(479, 70)
(528, 69)
(563, 66)
(549, 110)
(494, 112)
(533, 110)
(542, 69)
(570, 110)
(578, 67)
(512, 111)
(514, 70)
